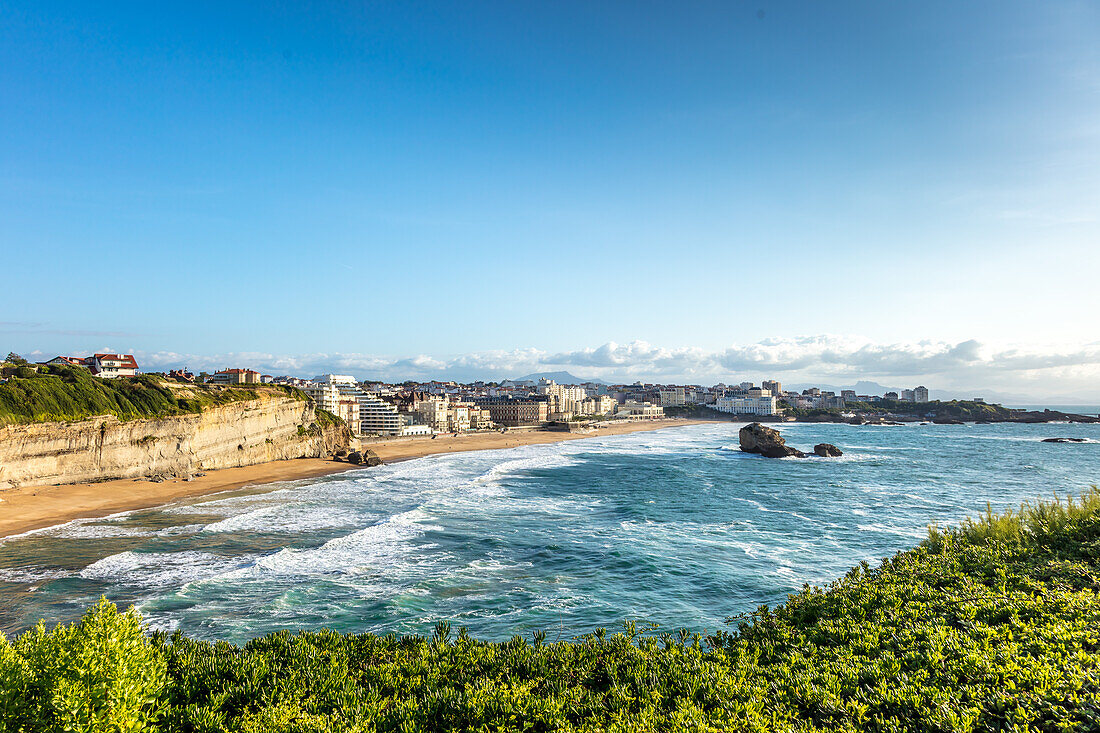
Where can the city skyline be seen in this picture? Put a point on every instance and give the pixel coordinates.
(954, 370)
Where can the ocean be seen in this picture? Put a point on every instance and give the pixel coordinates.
(674, 527)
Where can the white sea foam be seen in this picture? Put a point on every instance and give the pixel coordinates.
(288, 518)
(90, 531)
(899, 531)
(369, 550)
(159, 569)
(33, 575)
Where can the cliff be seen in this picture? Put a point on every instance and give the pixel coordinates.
(270, 426)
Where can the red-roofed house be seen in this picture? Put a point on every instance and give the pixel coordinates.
(112, 365)
(235, 376)
(68, 361)
(101, 365)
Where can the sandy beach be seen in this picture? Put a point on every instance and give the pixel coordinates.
(33, 507)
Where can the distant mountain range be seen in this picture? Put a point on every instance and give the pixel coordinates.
(559, 377)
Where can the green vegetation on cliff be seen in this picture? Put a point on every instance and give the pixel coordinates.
(61, 393)
(994, 625)
(955, 409)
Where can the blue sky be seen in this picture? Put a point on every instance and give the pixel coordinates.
(461, 188)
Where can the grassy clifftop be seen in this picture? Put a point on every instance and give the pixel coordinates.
(994, 625)
(61, 393)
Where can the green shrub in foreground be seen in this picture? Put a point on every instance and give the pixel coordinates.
(101, 674)
(991, 626)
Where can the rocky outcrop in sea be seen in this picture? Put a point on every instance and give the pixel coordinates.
(767, 442)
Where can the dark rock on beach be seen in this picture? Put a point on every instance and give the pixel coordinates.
(948, 421)
(827, 450)
(364, 458)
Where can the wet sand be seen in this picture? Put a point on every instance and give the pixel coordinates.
(32, 507)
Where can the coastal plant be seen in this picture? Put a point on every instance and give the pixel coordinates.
(99, 674)
(65, 393)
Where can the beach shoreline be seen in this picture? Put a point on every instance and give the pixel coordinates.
(28, 508)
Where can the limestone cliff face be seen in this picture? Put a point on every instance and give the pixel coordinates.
(236, 434)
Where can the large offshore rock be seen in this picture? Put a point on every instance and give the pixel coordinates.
(765, 441)
(827, 450)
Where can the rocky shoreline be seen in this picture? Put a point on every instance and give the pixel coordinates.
(1027, 418)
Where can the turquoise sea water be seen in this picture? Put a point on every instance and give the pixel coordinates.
(675, 527)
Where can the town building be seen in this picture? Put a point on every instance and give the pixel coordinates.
(378, 417)
(634, 410)
(431, 410)
(339, 398)
(106, 366)
(112, 365)
(758, 404)
(773, 386)
(920, 394)
(516, 411)
(672, 397)
(77, 361)
(562, 400)
(235, 376)
(598, 405)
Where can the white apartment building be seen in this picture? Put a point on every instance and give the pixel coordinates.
(376, 416)
(753, 405)
(112, 365)
(920, 394)
(325, 396)
(433, 413)
(458, 418)
(599, 405)
(633, 409)
(480, 419)
(345, 380)
(672, 397)
(564, 400)
(340, 395)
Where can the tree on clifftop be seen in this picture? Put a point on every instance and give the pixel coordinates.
(15, 358)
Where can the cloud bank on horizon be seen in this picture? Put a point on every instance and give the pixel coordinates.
(965, 367)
